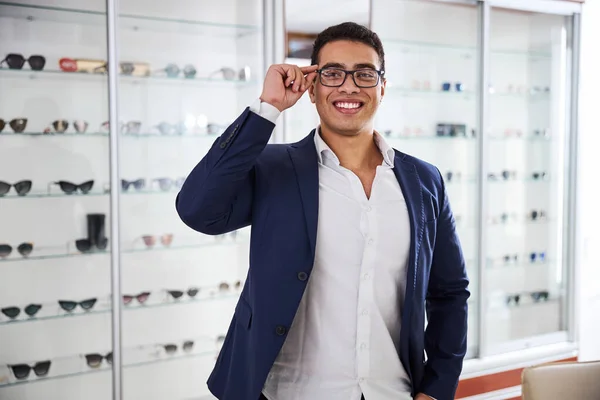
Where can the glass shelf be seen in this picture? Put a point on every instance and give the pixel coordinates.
(133, 22)
(140, 136)
(126, 251)
(107, 369)
(469, 50)
(430, 138)
(39, 195)
(130, 79)
(467, 95)
(136, 307)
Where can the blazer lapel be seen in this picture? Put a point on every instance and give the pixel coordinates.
(407, 176)
(306, 165)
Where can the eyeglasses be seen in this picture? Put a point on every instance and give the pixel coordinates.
(18, 125)
(538, 175)
(541, 257)
(13, 312)
(138, 184)
(165, 240)
(22, 187)
(363, 78)
(171, 348)
(95, 360)
(69, 305)
(173, 70)
(166, 184)
(535, 215)
(16, 61)
(508, 258)
(21, 371)
(176, 294)
(141, 298)
(231, 74)
(513, 298)
(24, 249)
(85, 245)
(70, 188)
(540, 296)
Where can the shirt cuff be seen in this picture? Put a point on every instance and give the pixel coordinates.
(265, 110)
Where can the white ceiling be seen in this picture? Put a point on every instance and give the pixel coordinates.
(312, 16)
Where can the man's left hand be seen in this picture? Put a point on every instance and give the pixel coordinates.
(422, 396)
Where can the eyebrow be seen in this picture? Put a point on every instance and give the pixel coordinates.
(343, 66)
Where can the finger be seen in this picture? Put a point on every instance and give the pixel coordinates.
(308, 81)
(289, 73)
(309, 69)
(299, 81)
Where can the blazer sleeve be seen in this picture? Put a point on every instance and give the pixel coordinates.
(217, 195)
(446, 305)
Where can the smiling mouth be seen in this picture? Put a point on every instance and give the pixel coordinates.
(348, 107)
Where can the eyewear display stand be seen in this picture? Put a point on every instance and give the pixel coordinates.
(185, 72)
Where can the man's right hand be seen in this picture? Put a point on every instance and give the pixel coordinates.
(286, 83)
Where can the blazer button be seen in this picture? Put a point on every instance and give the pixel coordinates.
(280, 330)
(302, 276)
(223, 145)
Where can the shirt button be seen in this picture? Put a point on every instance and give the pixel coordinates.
(365, 312)
(361, 380)
(371, 241)
(365, 277)
(363, 346)
(280, 330)
(302, 276)
(369, 209)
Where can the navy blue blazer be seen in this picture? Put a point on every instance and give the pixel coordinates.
(244, 181)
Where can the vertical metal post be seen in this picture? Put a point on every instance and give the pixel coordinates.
(482, 197)
(112, 7)
(573, 245)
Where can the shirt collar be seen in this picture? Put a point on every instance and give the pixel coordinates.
(323, 149)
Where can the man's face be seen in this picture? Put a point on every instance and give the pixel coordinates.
(347, 110)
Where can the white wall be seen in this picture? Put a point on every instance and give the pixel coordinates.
(589, 232)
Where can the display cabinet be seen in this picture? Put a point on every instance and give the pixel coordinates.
(185, 70)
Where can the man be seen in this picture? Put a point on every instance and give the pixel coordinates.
(351, 243)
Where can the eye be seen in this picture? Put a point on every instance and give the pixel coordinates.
(332, 74)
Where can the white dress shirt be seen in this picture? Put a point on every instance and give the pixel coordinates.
(344, 340)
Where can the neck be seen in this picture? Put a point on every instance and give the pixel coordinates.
(357, 151)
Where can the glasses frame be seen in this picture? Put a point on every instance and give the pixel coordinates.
(380, 74)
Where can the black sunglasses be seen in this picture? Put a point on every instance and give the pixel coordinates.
(95, 360)
(176, 294)
(22, 187)
(172, 348)
(541, 256)
(510, 258)
(18, 125)
(85, 245)
(540, 296)
(69, 305)
(70, 188)
(513, 298)
(16, 61)
(138, 184)
(13, 312)
(24, 249)
(21, 371)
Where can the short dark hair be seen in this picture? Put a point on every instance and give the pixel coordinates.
(348, 31)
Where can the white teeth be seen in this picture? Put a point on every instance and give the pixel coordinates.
(347, 105)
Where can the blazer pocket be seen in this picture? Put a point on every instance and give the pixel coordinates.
(243, 313)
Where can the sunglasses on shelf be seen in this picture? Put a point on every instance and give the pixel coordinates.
(138, 184)
(24, 249)
(536, 215)
(535, 257)
(134, 68)
(21, 371)
(141, 298)
(94, 360)
(13, 312)
(18, 125)
(85, 246)
(176, 294)
(172, 70)
(539, 296)
(231, 74)
(510, 258)
(150, 240)
(17, 61)
(21, 187)
(166, 128)
(538, 175)
(515, 298)
(171, 348)
(69, 305)
(166, 184)
(70, 188)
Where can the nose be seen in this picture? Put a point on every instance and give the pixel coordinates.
(348, 86)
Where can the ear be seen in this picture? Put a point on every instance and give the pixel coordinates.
(383, 84)
(311, 92)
